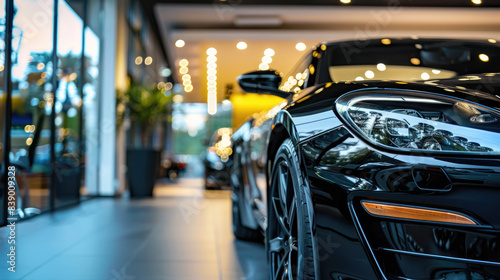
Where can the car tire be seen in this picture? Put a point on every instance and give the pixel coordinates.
(288, 236)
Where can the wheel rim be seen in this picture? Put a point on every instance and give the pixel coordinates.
(283, 242)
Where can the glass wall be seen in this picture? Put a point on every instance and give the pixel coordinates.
(68, 102)
(32, 99)
(54, 75)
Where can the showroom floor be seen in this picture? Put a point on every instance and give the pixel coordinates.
(183, 233)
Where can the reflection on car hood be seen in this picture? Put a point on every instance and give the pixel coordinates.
(479, 88)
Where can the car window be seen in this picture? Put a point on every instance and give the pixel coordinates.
(297, 78)
(407, 60)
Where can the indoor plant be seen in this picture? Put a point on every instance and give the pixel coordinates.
(146, 107)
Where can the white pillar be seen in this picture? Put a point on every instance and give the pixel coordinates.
(91, 108)
(107, 101)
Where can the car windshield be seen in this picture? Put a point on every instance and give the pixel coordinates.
(408, 60)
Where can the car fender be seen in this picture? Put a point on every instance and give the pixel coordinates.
(283, 127)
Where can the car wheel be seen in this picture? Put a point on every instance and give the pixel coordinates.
(288, 235)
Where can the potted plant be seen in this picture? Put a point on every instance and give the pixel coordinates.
(146, 107)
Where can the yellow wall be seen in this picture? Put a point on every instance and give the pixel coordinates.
(245, 105)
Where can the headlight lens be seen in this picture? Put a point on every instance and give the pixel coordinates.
(417, 122)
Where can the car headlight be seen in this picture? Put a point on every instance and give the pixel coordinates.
(417, 122)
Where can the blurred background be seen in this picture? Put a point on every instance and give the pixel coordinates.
(90, 87)
(138, 98)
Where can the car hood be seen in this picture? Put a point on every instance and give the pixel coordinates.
(483, 89)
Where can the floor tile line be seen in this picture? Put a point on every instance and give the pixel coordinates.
(139, 249)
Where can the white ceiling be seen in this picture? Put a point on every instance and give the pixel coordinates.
(281, 27)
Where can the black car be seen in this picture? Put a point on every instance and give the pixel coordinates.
(216, 159)
(382, 162)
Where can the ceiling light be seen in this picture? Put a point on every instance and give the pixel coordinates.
(359, 78)
(180, 43)
(183, 62)
(386, 41)
(211, 51)
(211, 81)
(415, 61)
(264, 66)
(183, 70)
(435, 71)
(369, 74)
(267, 59)
(381, 67)
(345, 1)
(484, 58)
(477, 2)
(212, 59)
(493, 41)
(241, 45)
(425, 76)
(269, 52)
(186, 77)
(188, 88)
(300, 46)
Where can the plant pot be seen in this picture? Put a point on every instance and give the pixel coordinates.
(142, 170)
(67, 184)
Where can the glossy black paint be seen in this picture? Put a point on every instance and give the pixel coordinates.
(471, 187)
(343, 170)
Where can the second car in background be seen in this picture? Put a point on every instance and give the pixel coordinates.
(216, 159)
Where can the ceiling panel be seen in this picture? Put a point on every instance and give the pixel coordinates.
(282, 27)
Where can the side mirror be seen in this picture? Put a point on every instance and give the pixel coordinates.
(267, 81)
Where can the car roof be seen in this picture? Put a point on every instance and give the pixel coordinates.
(363, 42)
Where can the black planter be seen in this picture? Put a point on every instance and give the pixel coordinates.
(67, 184)
(142, 170)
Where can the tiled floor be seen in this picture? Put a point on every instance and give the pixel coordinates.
(182, 233)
